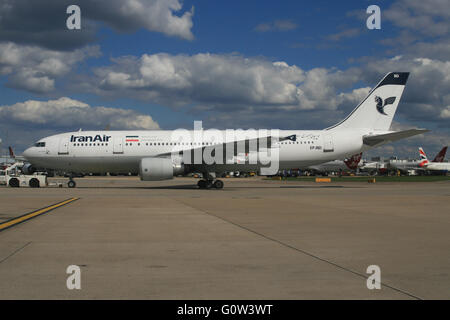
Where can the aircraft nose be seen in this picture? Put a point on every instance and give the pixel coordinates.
(27, 153)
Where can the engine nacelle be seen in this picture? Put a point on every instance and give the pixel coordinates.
(157, 169)
(28, 169)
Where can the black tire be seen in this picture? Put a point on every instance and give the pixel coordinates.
(34, 183)
(71, 184)
(14, 183)
(201, 184)
(218, 184)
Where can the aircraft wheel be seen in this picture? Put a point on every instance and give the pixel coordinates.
(201, 184)
(14, 183)
(218, 184)
(71, 184)
(34, 183)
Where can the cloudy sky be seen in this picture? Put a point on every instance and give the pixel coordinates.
(149, 64)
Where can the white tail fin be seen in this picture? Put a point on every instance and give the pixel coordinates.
(377, 110)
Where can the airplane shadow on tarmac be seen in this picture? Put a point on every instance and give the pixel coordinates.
(194, 187)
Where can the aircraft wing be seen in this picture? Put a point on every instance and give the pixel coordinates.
(379, 139)
(239, 146)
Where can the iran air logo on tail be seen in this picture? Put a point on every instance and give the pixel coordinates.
(381, 104)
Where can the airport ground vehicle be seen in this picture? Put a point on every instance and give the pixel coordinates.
(13, 177)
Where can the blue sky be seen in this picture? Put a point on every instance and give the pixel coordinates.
(283, 64)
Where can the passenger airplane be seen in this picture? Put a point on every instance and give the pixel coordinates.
(156, 155)
(405, 165)
(351, 163)
(432, 166)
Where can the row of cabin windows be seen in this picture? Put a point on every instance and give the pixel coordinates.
(89, 144)
(170, 143)
(297, 142)
(203, 143)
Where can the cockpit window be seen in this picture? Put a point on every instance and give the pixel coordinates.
(40, 144)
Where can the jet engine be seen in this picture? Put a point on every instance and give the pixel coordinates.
(28, 169)
(156, 169)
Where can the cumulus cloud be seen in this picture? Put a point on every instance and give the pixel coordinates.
(69, 114)
(225, 83)
(277, 25)
(43, 22)
(430, 18)
(153, 15)
(236, 91)
(35, 69)
(222, 81)
(426, 96)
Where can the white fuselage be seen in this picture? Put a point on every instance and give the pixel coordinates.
(112, 151)
(437, 166)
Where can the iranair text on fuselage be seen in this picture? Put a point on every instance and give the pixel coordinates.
(96, 138)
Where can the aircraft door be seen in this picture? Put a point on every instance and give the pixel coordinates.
(328, 145)
(63, 147)
(118, 145)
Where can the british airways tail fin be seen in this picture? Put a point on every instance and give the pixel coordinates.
(423, 158)
(377, 110)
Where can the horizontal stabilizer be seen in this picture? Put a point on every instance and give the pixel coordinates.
(375, 140)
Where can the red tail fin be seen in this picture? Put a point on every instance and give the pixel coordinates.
(11, 153)
(353, 162)
(441, 155)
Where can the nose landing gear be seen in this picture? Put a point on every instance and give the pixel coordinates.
(71, 183)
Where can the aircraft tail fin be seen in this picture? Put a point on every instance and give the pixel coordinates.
(441, 155)
(423, 158)
(352, 163)
(11, 152)
(377, 110)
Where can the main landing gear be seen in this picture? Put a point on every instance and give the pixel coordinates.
(210, 182)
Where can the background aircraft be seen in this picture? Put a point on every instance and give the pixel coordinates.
(432, 166)
(352, 163)
(405, 165)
